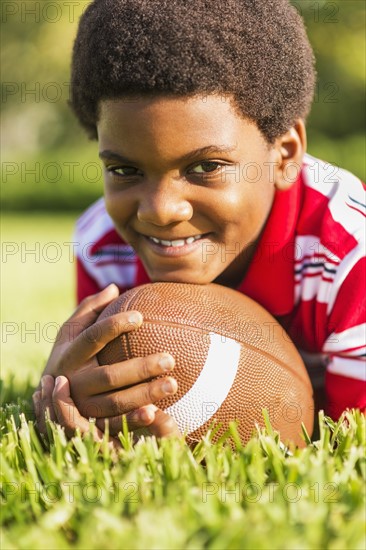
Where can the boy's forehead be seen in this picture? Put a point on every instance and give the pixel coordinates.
(191, 122)
(208, 106)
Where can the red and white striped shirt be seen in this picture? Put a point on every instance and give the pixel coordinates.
(309, 271)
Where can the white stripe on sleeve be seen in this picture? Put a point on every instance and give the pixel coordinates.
(352, 368)
(354, 337)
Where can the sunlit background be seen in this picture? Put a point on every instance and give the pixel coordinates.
(38, 127)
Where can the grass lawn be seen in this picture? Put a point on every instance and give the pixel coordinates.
(155, 494)
(37, 293)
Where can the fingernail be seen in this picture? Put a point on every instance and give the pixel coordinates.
(57, 382)
(147, 414)
(112, 286)
(166, 362)
(168, 386)
(135, 318)
(43, 382)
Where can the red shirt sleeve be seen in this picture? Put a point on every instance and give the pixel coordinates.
(345, 380)
(85, 285)
(344, 393)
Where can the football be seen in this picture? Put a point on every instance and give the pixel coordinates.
(232, 359)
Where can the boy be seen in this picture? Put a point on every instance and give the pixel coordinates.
(199, 111)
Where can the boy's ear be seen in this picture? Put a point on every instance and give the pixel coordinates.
(289, 150)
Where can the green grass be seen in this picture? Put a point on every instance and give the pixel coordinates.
(37, 290)
(78, 494)
(157, 494)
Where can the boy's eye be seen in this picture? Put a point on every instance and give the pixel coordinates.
(200, 169)
(205, 167)
(124, 171)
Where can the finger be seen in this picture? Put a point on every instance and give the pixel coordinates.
(124, 401)
(45, 403)
(69, 417)
(127, 373)
(67, 413)
(36, 398)
(139, 418)
(164, 425)
(93, 339)
(87, 313)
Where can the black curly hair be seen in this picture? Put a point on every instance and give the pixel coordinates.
(255, 50)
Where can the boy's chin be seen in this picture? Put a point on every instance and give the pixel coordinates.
(227, 277)
(188, 278)
(193, 281)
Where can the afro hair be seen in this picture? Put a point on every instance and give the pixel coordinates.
(254, 50)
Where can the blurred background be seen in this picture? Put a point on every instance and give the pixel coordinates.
(51, 172)
(48, 163)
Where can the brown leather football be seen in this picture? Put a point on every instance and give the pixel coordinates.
(232, 358)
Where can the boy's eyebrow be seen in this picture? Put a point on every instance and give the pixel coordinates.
(111, 155)
(209, 149)
(202, 151)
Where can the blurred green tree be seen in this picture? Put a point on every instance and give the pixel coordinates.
(336, 124)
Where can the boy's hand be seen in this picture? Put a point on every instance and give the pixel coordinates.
(57, 399)
(62, 409)
(97, 390)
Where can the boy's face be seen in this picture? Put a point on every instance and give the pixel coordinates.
(188, 183)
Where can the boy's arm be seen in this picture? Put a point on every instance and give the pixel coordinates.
(345, 379)
(344, 392)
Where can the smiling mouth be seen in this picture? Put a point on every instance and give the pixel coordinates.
(176, 243)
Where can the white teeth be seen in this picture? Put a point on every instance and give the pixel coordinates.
(179, 243)
(176, 243)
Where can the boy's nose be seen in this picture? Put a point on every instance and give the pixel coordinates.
(164, 204)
